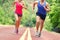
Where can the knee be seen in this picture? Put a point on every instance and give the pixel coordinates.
(42, 21)
(17, 19)
(38, 21)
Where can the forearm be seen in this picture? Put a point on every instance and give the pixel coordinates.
(13, 4)
(47, 9)
(24, 7)
(12, 7)
(33, 6)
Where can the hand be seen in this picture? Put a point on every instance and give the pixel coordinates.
(25, 7)
(45, 7)
(33, 10)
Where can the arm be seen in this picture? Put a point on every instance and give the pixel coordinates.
(35, 3)
(24, 5)
(47, 8)
(12, 7)
(14, 3)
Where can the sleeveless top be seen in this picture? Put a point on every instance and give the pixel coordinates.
(19, 8)
(41, 9)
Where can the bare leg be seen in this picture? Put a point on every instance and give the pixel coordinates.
(37, 26)
(18, 19)
(41, 25)
(18, 22)
(37, 23)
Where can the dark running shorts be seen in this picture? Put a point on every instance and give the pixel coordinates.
(41, 16)
(19, 15)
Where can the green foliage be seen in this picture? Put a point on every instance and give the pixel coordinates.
(55, 15)
(6, 15)
(28, 19)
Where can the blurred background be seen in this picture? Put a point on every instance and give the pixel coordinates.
(52, 22)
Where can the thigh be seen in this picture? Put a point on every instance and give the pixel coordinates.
(19, 18)
(37, 19)
(41, 21)
(16, 16)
